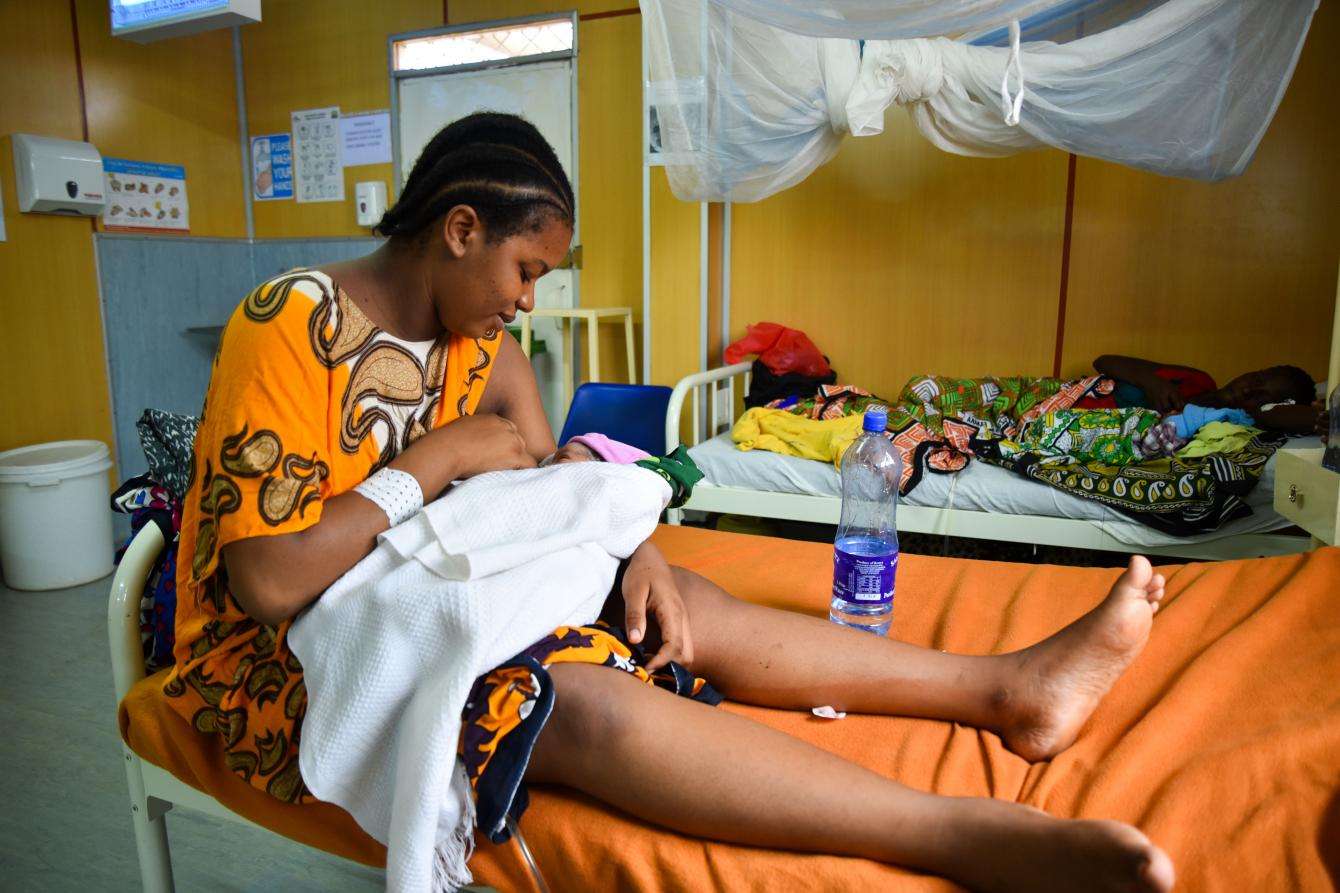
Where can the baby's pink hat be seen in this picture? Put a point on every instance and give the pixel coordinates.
(610, 450)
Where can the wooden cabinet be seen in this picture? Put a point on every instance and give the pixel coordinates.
(1307, 493)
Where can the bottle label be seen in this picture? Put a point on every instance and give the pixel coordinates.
(864, 578)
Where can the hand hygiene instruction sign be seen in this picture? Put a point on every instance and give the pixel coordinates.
(145, 195)
(272, 167)
(318, 170)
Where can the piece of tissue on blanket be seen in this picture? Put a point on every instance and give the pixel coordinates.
(391, 649)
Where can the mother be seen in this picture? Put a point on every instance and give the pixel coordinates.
(390, 374)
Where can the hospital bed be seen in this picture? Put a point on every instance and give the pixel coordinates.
(982, 501)
(1222, 742)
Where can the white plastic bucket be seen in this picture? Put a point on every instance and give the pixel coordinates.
(55, 523)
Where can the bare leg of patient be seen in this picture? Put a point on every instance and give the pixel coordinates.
(1036, 699)
(710, 773)
(714, 774)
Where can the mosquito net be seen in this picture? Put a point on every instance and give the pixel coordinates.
(747, 97)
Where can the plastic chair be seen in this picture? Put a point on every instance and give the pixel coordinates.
(632, 413)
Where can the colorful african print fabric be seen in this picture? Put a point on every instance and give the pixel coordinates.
(936, 420)
(1177, 495)
(1110, 436)
(307, 398)
(1031, 426)
(508, 707)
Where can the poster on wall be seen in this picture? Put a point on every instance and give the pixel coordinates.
(145, 195)
(272, 167)
(318, 170)
(367, 138)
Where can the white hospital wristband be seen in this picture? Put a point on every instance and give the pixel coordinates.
(395, 492)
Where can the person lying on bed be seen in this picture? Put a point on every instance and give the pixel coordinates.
(1287, 390)
(343, 397)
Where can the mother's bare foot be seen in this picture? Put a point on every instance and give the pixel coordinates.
(1009, 847)
(1059, 681)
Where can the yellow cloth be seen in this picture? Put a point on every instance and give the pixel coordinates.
(779, 431)
(1217, 437)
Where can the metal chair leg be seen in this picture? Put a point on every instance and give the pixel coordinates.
(150, 824)
(525, 854)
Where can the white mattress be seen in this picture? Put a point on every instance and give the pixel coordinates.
(979, 487)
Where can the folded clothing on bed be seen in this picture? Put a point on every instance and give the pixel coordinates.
(1192, 418)
(779, 431)
(1218, 437)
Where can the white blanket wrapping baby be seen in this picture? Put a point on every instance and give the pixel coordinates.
(390, 651)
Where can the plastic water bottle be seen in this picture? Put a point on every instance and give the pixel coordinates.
(865, 553)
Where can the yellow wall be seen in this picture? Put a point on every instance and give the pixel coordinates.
(299, 58)
(188, 117)
(898, 258)
(54, 367)
(53, 382)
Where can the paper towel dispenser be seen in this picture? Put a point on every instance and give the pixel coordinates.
(57, 176)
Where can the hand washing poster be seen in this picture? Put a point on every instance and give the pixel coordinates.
(145, 195)
(272, 167)
(318, 172)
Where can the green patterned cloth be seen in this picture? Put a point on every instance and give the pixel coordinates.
(679, 471)
(1110, 436)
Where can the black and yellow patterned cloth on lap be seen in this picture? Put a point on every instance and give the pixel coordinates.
(509, 705)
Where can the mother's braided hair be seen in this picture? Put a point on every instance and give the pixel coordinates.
(497, 164)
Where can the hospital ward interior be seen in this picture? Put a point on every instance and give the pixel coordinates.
(670, 445)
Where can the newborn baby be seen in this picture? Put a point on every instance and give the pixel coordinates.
(677, 469)
(594, 448)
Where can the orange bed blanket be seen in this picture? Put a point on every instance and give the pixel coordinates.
(1221, 742)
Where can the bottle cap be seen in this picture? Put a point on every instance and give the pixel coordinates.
(876, 419)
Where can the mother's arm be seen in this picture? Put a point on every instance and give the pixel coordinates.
(275, 577)
(513, 394)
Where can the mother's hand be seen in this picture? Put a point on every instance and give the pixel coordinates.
(649, 587)
(462, 449)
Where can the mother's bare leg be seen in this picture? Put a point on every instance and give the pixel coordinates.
(710, 773)
(1037, 698)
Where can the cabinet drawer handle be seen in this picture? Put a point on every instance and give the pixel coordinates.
(1293, 493)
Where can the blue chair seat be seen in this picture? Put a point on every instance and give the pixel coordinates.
(631, 413)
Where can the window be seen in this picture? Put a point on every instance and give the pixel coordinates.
(484, 45)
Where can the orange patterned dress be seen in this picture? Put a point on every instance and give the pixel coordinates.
(307, 398)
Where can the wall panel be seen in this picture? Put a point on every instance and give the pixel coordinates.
(899, 259)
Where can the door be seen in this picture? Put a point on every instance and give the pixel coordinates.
(526, 67)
